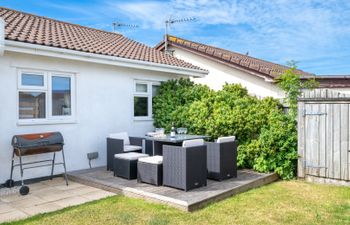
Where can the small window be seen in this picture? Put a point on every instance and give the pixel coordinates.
(141, 106)
(61, 96)
(155, 90)
(143, 98)
(45, 97)
(28, 79)
(141, 88)
(32, 105)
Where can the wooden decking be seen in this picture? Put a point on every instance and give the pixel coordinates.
(188, 201)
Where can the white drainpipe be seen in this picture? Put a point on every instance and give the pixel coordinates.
(2, 36)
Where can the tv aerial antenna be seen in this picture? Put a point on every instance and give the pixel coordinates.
(171, 21)
(117, 25)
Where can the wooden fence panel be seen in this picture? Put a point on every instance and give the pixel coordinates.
(310, 140)
(330, 140)
(324, 134)
(323, 141)
(344, 134)
(337, 141)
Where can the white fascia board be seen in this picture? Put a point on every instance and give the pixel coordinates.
(2, 36)
(20, 47)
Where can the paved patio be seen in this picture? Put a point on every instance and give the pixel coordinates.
(187, 201)
(45, 196)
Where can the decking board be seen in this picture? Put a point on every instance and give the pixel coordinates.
(188, 201)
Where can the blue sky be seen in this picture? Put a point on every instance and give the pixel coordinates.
(316, 34)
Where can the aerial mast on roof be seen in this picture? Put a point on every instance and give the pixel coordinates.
(171, 21)
(116, 25)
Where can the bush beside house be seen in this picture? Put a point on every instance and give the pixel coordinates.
(267, 136)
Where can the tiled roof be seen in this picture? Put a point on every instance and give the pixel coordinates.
(331, 81)
(24, 27)
(237, 60)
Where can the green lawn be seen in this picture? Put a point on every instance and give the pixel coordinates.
(293, 202)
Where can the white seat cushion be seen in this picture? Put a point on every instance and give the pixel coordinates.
(192, 143)
(226, 139)
(130, 155)
(131, 148)
(122, 135)
(152, 160)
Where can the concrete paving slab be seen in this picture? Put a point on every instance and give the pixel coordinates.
(97, 195)
(45, 196)
(71, 201)
(4, 208)
(27, 201)
(43, 208)
(13, 215)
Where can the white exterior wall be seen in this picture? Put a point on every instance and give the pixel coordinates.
(219, 74)
(104, 104)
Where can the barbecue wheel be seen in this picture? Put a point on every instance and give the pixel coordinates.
(24, 190)
(10, 183)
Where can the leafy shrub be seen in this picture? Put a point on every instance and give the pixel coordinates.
(173, 99)
(292, 85)
(266, 135)
(275, 149)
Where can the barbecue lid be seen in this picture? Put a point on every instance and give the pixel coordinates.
(37, 140)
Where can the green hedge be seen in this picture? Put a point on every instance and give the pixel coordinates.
(266, 135)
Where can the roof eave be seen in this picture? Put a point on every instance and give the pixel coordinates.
(35, 49)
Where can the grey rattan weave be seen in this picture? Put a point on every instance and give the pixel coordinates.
(150, 173)
(126, 166)
(184, 168)
(222, 160)
(116, 146)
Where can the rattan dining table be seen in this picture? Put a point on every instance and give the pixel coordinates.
(158, 142)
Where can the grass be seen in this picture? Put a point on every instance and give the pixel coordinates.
(284, 202)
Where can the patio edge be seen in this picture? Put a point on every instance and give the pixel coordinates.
(269, 178)
(182, 205)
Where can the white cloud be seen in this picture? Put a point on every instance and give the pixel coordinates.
(149, 14)
(153, 13)
(268, 17)
(278, 30)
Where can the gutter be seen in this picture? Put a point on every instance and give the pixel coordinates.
(331, 77)
(28, 48)
(2, 36)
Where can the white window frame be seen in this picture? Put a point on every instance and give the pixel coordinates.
(147, 94)
(31, 87)
(47, 89)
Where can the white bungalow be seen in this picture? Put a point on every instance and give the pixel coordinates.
(83, 82)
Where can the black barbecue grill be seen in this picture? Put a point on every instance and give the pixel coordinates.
(33, 144)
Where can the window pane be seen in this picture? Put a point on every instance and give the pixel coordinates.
(32, 80)
(155, 90)
(140, 106)
(31, 105)
(141, 88)
(61, 96)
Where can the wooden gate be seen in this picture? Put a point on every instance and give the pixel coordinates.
(323, 134)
